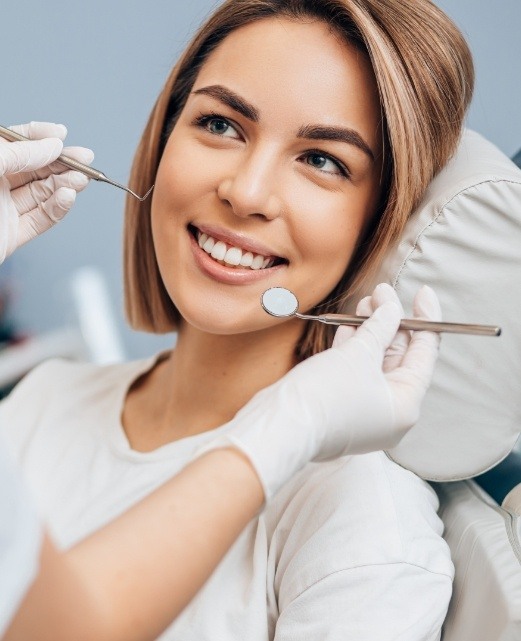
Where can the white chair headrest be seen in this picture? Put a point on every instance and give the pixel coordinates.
(465, 241)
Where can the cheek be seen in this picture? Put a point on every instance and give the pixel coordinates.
(328, 234)
(329, 253)
(180, 176)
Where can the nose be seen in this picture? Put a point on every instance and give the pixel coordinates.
(250, 187)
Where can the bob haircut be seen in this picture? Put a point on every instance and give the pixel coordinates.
(425, 78)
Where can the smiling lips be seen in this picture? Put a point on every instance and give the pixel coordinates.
(232, 256)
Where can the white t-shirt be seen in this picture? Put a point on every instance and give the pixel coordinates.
(349, 549)
(20, 539)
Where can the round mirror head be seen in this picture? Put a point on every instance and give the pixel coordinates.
(279, 302)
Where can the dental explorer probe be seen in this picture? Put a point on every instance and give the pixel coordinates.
(283, 303)
(12, 136)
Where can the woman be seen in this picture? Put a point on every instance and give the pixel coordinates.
(101, 588)
(293, 138)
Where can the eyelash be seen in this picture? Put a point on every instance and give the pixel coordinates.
(344, 173)
(203, 120)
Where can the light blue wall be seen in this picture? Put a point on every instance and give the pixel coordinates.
(98, 66)
(493, 30)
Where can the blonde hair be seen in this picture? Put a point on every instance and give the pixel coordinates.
(425, 78)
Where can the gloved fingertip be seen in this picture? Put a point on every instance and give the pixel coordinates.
(61, 132)
(53, 146)
(58, 142)
(426, 304)
(379, 330)
(81, 154)
(388, 309)
(364, 307)
(384, 293)
(78, 181)
(37, 130)
(57, 149)
(88, 156)
(64, 198)
(385, 289)
(389, 314)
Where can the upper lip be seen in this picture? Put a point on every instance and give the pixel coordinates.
(236, 239)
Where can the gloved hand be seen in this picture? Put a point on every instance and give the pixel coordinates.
(35, 193)
(363, 394)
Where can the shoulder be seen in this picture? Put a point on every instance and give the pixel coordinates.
(56, 377)
(45, 376)
(57, 387)
(34, 391)
(357, 511)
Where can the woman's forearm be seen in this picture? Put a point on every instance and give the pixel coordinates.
(130, 579)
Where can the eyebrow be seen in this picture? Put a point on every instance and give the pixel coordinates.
(233, 100)
(340, 134)
(310, 132)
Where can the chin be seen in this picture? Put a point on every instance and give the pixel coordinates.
(232, 327)
(225, 319)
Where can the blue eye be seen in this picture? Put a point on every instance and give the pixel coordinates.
(325, 163)
(217, 125)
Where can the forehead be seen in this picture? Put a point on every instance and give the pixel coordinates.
(302, 69)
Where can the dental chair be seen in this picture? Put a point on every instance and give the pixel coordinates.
(465, 241)
(483, 528)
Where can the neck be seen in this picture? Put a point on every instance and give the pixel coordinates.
(222, 373)
(206, 380)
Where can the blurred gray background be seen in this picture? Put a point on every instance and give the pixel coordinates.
(98, 66)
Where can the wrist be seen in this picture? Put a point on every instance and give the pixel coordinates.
(234, 472)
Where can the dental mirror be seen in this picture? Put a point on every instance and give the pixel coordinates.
(282, 303)
(279, 302)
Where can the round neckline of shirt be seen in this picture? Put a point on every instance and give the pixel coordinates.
(118, 439)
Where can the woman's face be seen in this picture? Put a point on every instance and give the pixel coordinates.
(269, 175)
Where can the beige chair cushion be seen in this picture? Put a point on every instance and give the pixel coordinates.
(465, 241)
(485, 543)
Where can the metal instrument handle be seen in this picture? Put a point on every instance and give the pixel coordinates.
(415, 325)
(13, 136)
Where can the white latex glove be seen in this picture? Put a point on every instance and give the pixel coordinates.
(35, 193)
(361, 395)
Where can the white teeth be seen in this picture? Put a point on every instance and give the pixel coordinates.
(233, 256)
(208, 245)
(257, 262)
(219, 250)
(247, 259)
